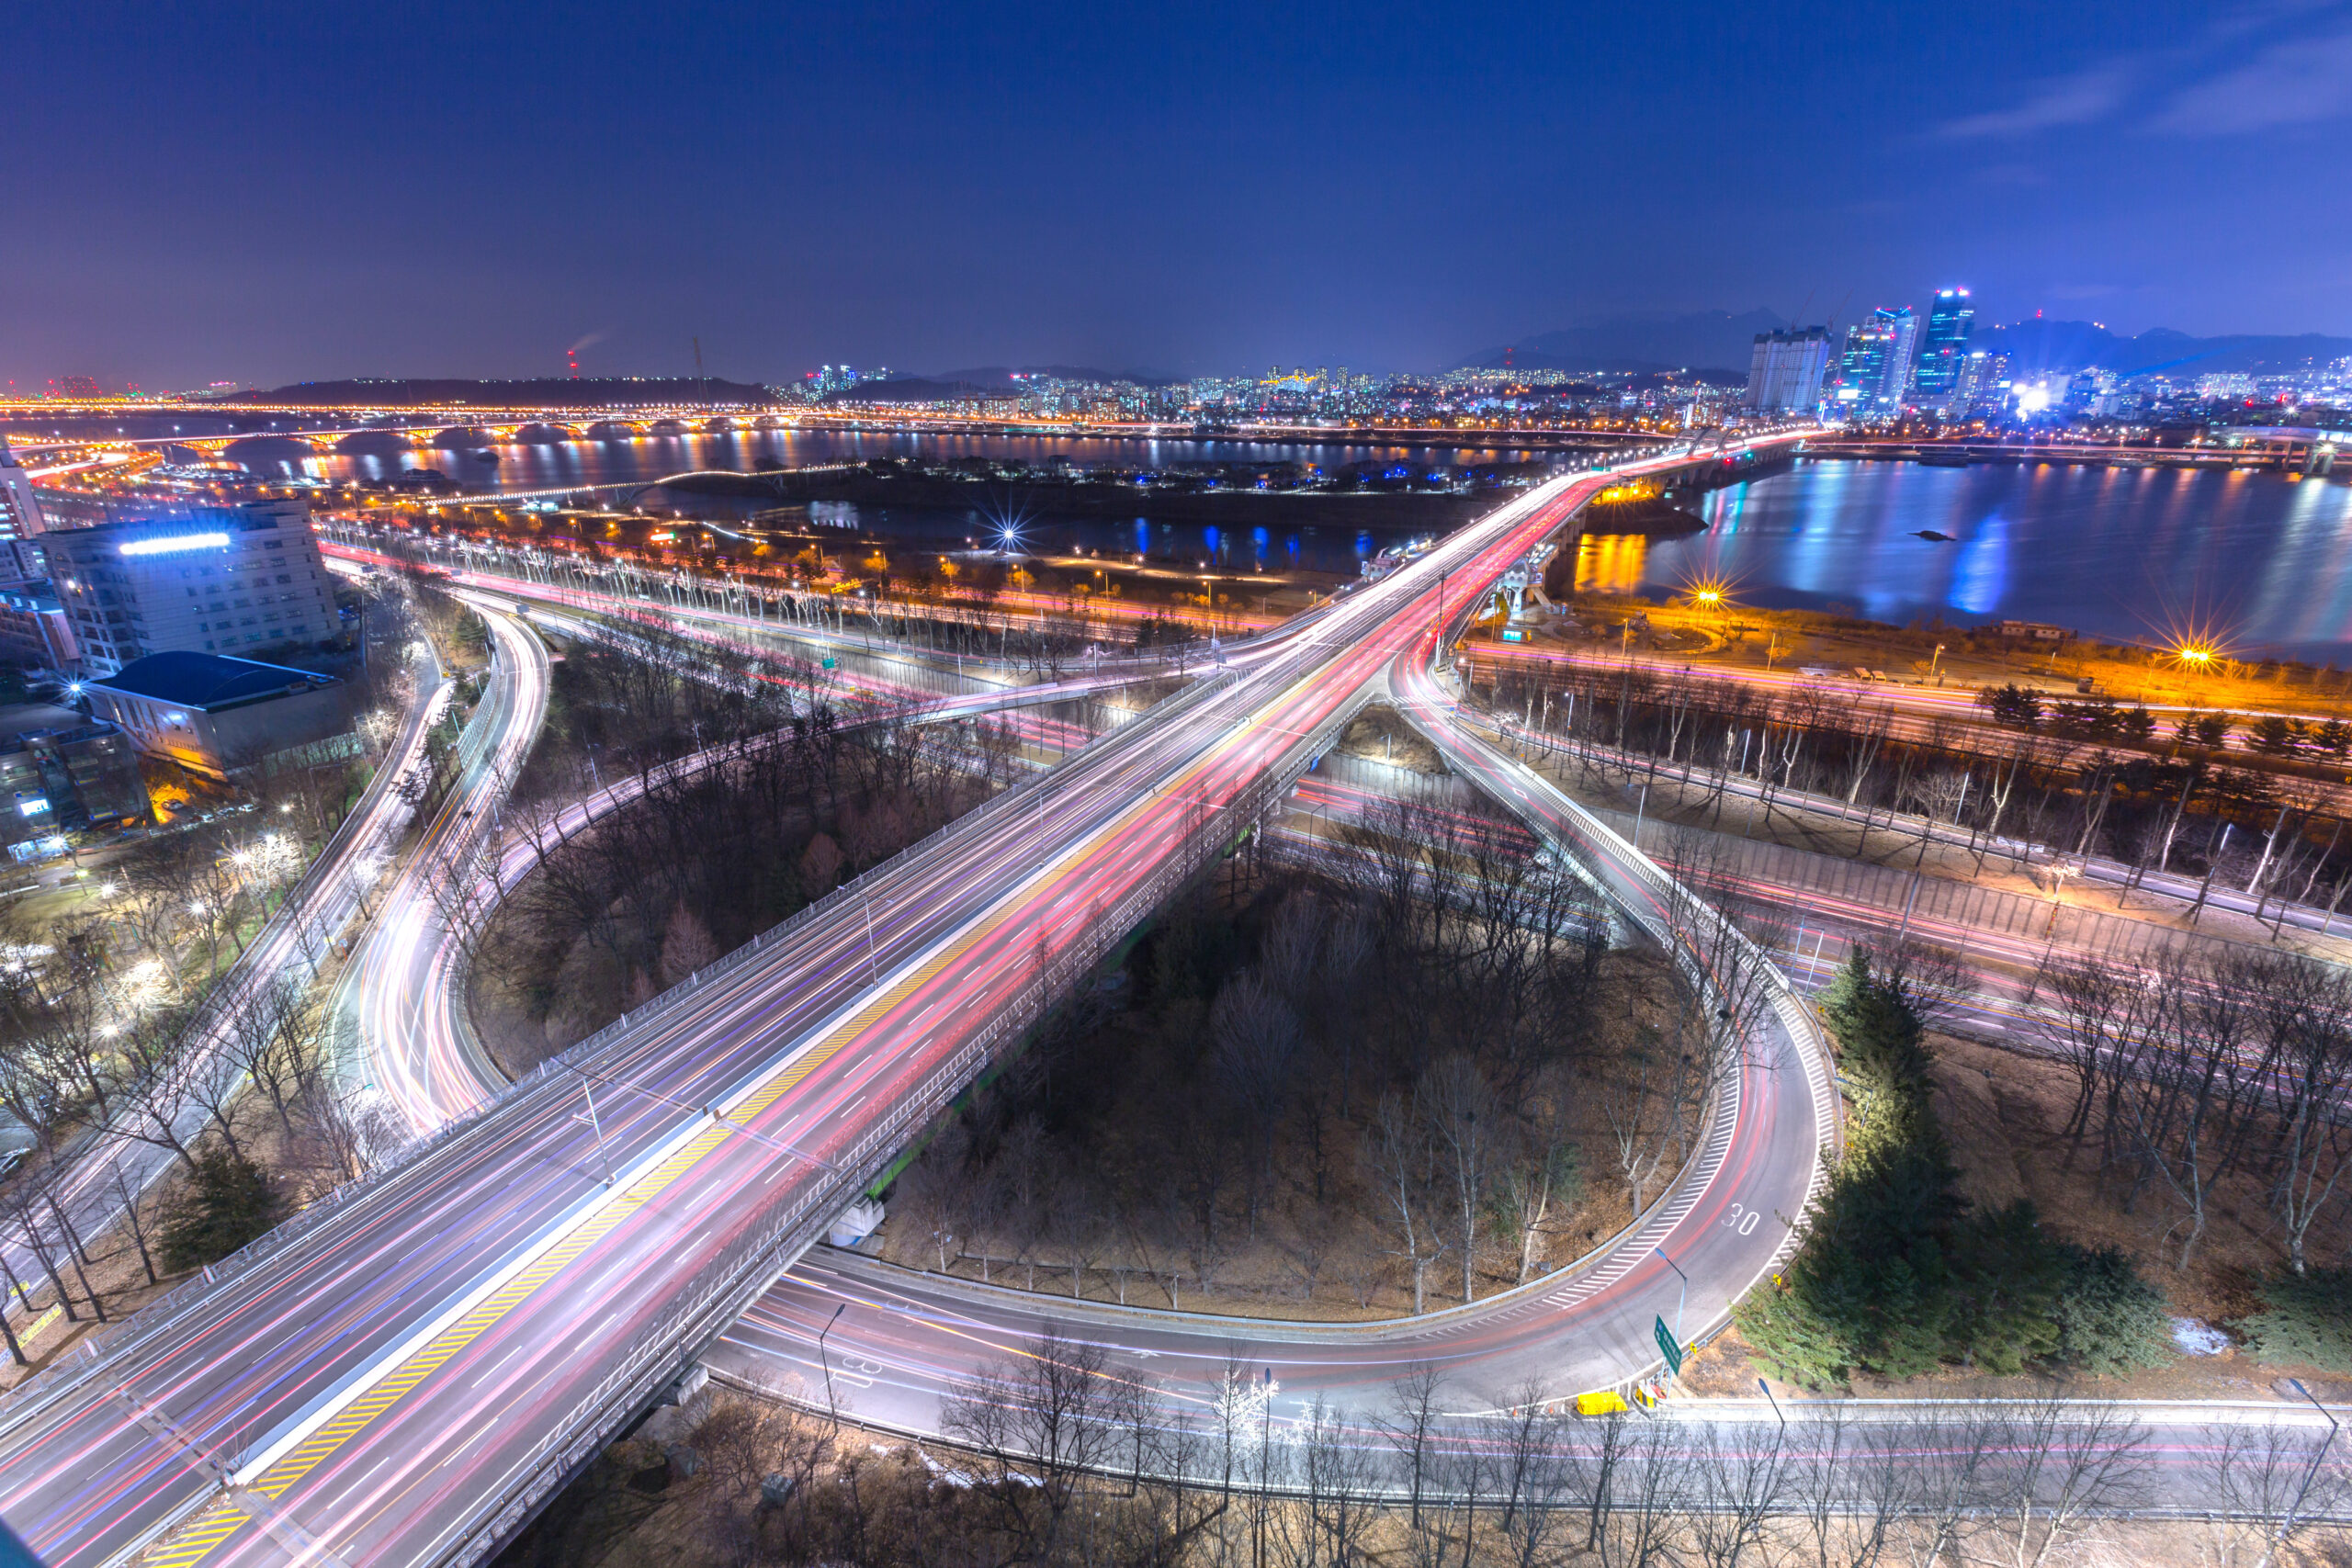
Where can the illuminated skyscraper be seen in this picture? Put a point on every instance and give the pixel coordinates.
(1944, 355)
(1875, 370)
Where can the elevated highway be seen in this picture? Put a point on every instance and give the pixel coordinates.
(904, 1342)
(403, 1374)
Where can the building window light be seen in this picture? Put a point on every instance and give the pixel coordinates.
(174, 544)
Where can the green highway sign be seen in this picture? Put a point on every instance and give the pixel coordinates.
(1673, 1352)
(829, 662)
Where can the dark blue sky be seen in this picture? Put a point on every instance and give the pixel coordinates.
(266, 192)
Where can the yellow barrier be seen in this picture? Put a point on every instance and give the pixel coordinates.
(1606, 1402)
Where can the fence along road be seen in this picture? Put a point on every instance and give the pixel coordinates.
(405, 1373)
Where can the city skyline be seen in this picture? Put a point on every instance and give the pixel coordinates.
(458, 194)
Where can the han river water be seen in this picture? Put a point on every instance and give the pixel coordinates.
(2261, 561)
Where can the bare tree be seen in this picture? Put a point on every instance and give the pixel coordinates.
(2088, 1007)
(1037, 1425)
(1411, 1423)
(2305, 1010)
(1739, 1491)
(2072, 1464)
(2263, 1478)
(1955, 1475)
(1466, 1129)
(1636, 1102)
(1853, 1489)
(1256, 1038)
(1403, 1164)
(357, 1132)
(1649, 1498)
(22, 1205)
(1544, 1180)
(2187, 1087)
(1339, 1488)
(154, 1092)
(268, 1036)
(1533, 1478)
(134, 1221)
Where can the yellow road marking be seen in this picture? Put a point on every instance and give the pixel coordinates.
(224, 1518)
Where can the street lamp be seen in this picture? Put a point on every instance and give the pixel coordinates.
(1684, 1299)
(834, 1409)
(602, 1159)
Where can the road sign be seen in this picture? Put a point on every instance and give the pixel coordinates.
(1673, 1352)
(829, 661)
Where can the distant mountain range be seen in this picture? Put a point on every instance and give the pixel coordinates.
(912, 389)
(1000, 377)
(1719, 340)
(2035, 344)
(984, 382)
(584, 392)
(1715, 339)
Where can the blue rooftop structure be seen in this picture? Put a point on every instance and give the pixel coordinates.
(207, 681)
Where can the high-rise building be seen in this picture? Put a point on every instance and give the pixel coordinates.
(238, 578)
(20, 521)
(1875, 368)
(1944, 354)
(1861, 368)
(1900, 355)
(1785, 370)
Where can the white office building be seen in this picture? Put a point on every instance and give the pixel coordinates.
(235, 581)
(1784, 372)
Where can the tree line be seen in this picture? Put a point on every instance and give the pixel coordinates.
(2203, 1080)
(1058, 1455)
(2069, 788)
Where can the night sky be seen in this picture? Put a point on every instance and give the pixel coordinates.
(268, 192)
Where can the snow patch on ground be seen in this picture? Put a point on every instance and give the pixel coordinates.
(2194, 1338)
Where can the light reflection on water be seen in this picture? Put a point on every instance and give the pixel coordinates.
(555, 465)
(2125, 553)
(1611, 563)
(2112, 552)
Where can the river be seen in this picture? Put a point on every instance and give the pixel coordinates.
(556, 465)
(2260, 563)
(2255, 561)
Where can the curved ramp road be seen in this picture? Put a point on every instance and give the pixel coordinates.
(905, 1339)
(427, 1072)
(413, 1034)
(401, 1375)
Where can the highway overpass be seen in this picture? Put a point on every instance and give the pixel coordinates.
(402, 1374)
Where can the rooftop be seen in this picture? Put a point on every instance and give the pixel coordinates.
(207, 681)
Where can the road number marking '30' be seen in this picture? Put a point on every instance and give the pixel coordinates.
(1743, 1219)
(859, 1371)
